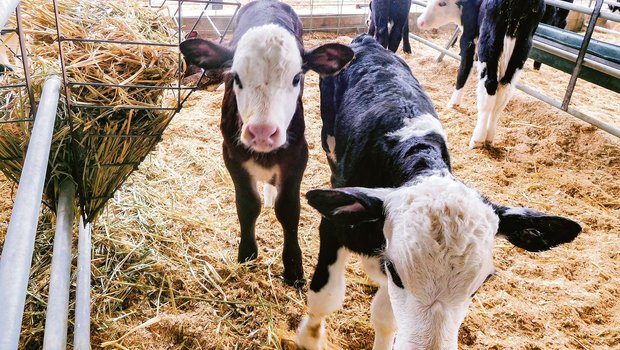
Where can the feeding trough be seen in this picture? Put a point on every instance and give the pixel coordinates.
(104, 81)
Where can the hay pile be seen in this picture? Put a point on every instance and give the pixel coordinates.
(105, 145)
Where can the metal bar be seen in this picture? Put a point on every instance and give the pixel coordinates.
(25, 61)
(599, 124)
(6, 9)
(16, 121)
(435, 46)
(573, 58)
(57, 313)
(19, 241)
(581, 9)
(81, 335)
(451, 42)
(12, 86)
(111, 165)
(125, 107)
(128, 86)
(124, 42)
(582, 54)
(575, 113)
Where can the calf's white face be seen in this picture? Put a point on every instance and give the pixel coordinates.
(440, 239)
(440, 12)
(267, 70)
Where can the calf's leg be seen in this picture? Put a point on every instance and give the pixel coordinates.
(383, 321)
(248, 208)
(287, 211)
(327, 289)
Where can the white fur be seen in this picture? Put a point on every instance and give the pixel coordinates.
(382, 319)
(265, 175)
(322, 303)
(490, 107)
(269, 194)
(419, 126)
(457, 97)
(266, 60)
(435, 16)
(441, 244)
(486, 104)
(331, 146)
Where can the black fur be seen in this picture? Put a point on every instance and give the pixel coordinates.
(359, 107)
(490, 21)
(396, 11)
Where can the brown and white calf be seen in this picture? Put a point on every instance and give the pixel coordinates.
(262, 115)
(424, 236)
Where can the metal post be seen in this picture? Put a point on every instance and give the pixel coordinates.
(81, 336)
(451, 42)
(6, 9)
(19, 241)
(582, 54)
(58, 303)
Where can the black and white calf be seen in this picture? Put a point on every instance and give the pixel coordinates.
(504, 30)
(388, 22)
(614, 8)
(262, 115)
(554, 16)
(423, 235)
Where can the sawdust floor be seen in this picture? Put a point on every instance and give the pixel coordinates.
(164, 271)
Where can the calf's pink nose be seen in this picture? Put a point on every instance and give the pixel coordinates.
(262, 134)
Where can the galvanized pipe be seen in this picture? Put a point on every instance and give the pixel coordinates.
(582, 54)
(6, 10)
(19, 241)
(57, 313)
(81, 336)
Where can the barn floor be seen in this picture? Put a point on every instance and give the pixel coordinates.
(164, 271)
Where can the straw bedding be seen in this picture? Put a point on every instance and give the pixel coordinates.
(164, 270)
(101, 138)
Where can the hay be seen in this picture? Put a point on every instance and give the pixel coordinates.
(105, 145)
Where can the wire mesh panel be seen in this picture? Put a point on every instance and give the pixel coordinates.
(122, 73)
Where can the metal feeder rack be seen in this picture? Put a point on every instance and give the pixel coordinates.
(18, 246)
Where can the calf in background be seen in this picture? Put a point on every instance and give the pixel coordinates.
(388, 22)
(423, 235)
(262, 116)
(556, 17)
(504, 30)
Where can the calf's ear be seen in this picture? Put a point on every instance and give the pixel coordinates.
(348, 205)
(328, 59)
(206, 54)
(533, 230)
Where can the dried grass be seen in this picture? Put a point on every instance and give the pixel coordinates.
(106, 144)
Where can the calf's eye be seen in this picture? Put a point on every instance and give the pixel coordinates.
(442, 4)
(237, 80)
(296, 79)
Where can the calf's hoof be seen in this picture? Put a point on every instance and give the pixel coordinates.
(476, 144)
(310, 337)
(247, 254)
(294, 278)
